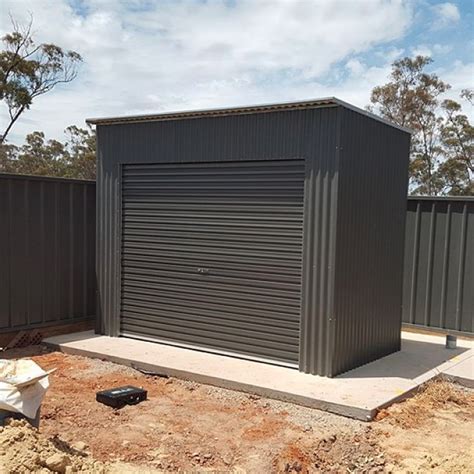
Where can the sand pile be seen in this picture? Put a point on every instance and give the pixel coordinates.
(436, 394)
(345, 452)
(23, 449)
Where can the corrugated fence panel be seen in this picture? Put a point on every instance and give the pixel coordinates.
(438, 286)
(47, 251)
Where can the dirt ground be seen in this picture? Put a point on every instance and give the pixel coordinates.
(185, 426)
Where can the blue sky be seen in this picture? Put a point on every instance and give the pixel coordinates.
(144, 56)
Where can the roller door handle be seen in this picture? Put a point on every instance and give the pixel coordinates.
(204, 271)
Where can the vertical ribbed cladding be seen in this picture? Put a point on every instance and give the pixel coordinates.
(320, 206)
(299, 134)
(46, 251)
(107, 238)
(5, 253)
(371, 209)
(439, 263)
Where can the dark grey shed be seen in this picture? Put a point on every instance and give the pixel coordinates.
(271, 232)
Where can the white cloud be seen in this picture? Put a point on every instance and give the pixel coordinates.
(357, 88)
(355, 67)
(442, 48)
(156, 56)
(459, 76)
(421, 50)
(431, 51)
(390, 54)
(446, 14)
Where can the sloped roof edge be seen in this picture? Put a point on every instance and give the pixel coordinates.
(251, 109)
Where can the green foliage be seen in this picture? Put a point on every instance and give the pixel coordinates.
(457, 144)
(80, 156)
(28, 70)
(75, 158)
(442, 142)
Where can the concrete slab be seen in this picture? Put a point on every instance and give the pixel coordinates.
(357, 394)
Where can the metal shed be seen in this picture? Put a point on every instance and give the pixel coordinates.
(270, 232)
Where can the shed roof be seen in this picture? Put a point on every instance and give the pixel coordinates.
(251, 109)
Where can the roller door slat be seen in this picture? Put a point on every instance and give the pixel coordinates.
(206, 284)
(210, 250)
(230, 316)
(249, 261)
(234, 343)
(177, 318)
(243, 301)
(183, 266)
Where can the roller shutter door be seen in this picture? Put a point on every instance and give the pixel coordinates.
(212, 255)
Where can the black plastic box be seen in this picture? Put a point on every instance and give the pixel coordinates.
(121, 396)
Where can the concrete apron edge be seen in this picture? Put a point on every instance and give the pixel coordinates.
(444, 368)
(450, 373)
(432, 375)
(464, 381)
(363, 414)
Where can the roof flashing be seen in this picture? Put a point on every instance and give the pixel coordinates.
(242, 110)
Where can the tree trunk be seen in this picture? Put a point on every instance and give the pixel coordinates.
(3, 137)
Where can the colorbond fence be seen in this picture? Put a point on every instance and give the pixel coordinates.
(439, 264)
(47, 251)
(47, 256)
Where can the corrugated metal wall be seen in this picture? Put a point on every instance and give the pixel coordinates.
(373, 176)
(47, 251)
(300, 134)
(439, 263)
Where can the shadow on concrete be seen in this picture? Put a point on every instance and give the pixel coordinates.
(415, 359)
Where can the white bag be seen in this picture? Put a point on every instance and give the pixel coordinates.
(23, 384)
